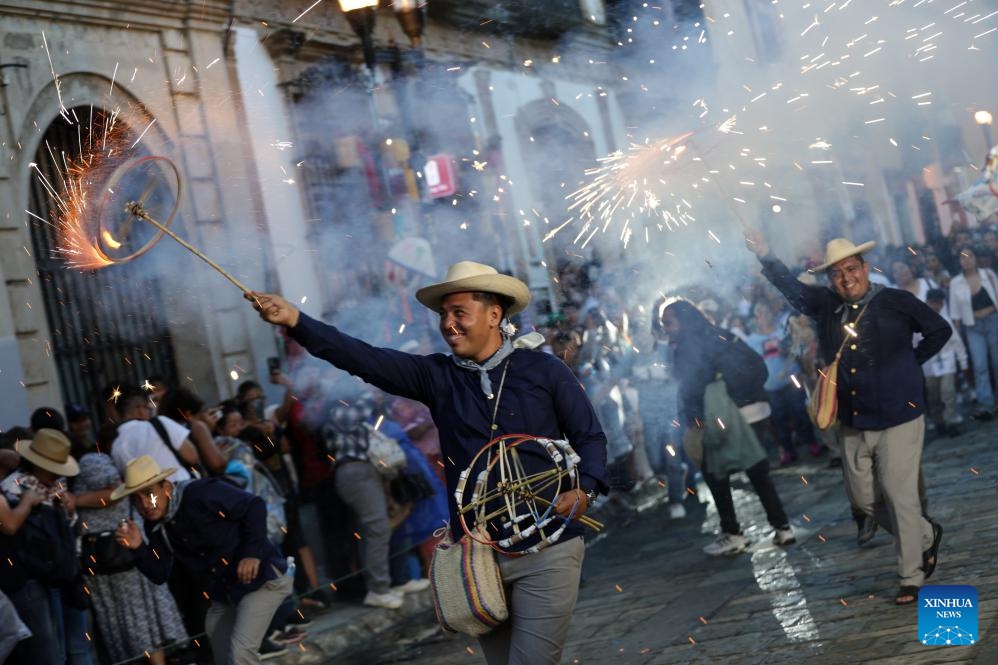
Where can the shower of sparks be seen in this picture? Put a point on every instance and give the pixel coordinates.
(76, 194)
(630, 178)
(655, 181)
(836, 67)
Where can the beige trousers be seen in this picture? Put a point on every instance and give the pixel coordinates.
(890, 459)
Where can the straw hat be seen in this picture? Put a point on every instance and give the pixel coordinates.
(49, 450)
(468, 276)
(140, 473)
(838, 249)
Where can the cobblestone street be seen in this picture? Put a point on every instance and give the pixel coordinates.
(650, 596)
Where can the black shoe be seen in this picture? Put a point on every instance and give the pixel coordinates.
(270, 649)
(982, 415)
(867, 529)
(834, 462)
(930, 557)
(952, 430)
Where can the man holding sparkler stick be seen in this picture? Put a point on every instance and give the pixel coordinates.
(879, 390)
(487, 380)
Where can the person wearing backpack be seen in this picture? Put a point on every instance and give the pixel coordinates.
(730, 427)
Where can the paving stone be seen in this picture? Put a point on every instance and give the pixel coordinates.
(823, 600)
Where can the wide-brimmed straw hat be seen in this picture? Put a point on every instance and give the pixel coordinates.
(466, 276)
(49, 450)
(140, 473)
(838, 249)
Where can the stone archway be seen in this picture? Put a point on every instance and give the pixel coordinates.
(105, 326)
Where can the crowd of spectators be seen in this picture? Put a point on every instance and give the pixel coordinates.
(373, 540)
(55, 498)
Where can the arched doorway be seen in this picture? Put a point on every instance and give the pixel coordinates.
(107, 325)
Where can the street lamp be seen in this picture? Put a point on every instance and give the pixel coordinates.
(983, 118)
(412, 18)
(360, 16)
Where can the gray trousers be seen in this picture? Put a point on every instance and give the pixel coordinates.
(541, 590)
(236, 631)
(360, 486)
(890, 459)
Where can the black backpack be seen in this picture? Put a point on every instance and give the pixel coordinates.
(744, 370)
(43, 549)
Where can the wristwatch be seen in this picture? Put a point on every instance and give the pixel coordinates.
(591, 496)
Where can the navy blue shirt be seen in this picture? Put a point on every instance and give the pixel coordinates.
(540, 397)
(212, 527)
(880, 382)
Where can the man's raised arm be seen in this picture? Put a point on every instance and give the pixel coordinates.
(805, 299)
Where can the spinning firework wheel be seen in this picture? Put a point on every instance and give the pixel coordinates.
(147, 189)
(514, 492)
(153, 184)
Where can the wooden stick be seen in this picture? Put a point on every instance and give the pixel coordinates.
(137, 210)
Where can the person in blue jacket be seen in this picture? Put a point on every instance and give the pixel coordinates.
(208, 526)
(880, 390)
(487, 387)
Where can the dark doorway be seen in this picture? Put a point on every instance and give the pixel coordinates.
(107, 325)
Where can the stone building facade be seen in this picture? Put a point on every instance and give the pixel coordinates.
(301, 170)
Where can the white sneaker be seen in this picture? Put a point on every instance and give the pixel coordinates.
(412, 586)
(676, 511)
(726, 544)
(389, 600)
(784, 536)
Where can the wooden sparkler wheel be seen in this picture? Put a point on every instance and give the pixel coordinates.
(515, 506)
(153, 182)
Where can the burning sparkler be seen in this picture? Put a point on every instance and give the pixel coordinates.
(90, 241)
(642, 182)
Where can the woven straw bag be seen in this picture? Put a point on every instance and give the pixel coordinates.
(824, 405)
(466, 585)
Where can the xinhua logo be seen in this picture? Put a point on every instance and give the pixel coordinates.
(947, 615)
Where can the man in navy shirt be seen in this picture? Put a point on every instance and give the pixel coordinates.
(487, 388)
(208, 527)
(879, 390)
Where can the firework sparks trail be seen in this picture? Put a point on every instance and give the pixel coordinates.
(840, 60)
(635, 183)
(76, 193)
(55, 78)
(311, 7)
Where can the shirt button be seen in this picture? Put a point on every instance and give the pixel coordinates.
(855, 413)
(853, 347)
(855, 306)
(853, 392)
(852, 370)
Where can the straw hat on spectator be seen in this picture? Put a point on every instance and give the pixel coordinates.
(140, 473)
(49, 450)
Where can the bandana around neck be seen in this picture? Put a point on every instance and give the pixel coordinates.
(491, 363)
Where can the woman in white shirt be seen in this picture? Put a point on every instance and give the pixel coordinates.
(973, 301)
